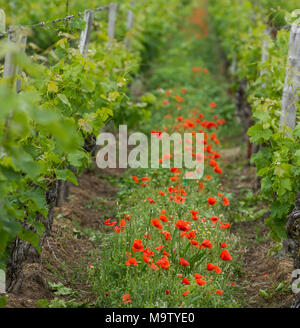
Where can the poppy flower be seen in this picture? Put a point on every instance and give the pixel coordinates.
(184, 90)
(126, 298)
(127, 217)
(225, 201)
(179, 98)
(153, 266)
(166, 234)
(206, 244)
(212, 104)
(110, 223)
(219, 292)
(183, 262)
(163, 212)
(217, 269)
(218, 170)
(137, 245)
(161, 193)
(185, 281)
(186, 292)
(210, 267)
(118, 229)
(163, 218)
(213, 163)
(163, 263)
(183, 225)
(123, 223)
(214, 219)
(198, 276)
(194, 242)
(225, 256)
(200, 282)
(194, 212)
(160, 247)
(131, 261)
(191, 235)
(151, 201)
(156, 223)
(223, 245)
(224, 226)
(166, 253)
(212, 201)
(167, 291)
(166, 102)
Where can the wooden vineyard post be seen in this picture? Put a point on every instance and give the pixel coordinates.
(111, 23)
(292, 81)
(86, 33)
(23, 42)
(9, 67)
(130, 20)
(2, 21)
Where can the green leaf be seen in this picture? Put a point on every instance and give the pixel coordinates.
(3, 301)
(64, 99)
(30, 236)
(66, 175)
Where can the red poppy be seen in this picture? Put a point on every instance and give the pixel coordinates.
(123, 223)
(118, 229)
(161, 193)
(185, 281)
(198, 276)
(200, 282)
(166, 102)
(131, 261)
(225, 201)
(185, 293)
(166, 234)
(210, 267)
(206, 244)
(108, 223)
(167, 291)
(179, 98)
(151, 201)
(156, 223)
(225, 256)
(183, 262)
(217, 269)
(223, 245)
(218, 170)
(160, 247)
(211, 201)
(163, 263)
(183, 225)
(163, 218)
(214, 219)
(212, 104)
(137, 246)
(126, 298)
(127, 217)
(219, 292)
